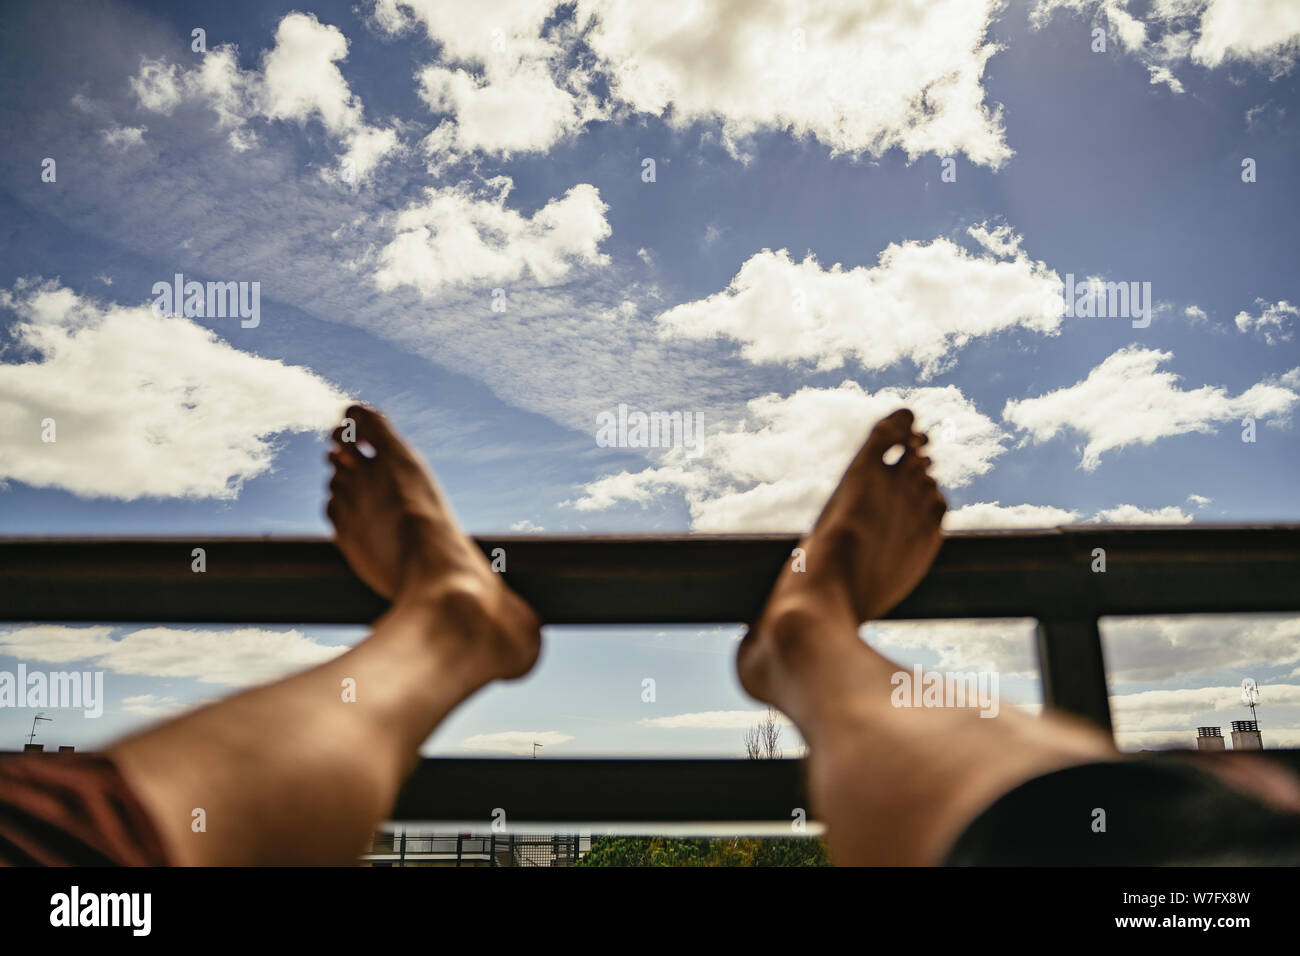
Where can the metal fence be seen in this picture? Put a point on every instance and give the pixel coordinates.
(407, 846)
(1048, 575)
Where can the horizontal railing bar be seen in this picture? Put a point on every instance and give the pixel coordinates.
(453, 794)
(658, 579)
(595, 791)
(589, 792)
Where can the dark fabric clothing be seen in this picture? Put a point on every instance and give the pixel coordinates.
(72, 810)
(1157, 813)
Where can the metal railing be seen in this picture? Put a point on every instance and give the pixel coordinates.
(1048, 575)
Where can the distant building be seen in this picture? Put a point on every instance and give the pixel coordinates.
(1209, 738)
(1245, 735)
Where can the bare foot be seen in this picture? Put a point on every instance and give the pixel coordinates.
(398, 534)
(873, 542)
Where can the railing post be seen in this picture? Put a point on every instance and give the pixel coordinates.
(1073, 670)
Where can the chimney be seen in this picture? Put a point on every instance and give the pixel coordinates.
(33, 748)
(1245, 735)
(1209, 738)
(66, 749)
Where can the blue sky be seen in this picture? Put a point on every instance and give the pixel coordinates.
(381, 168)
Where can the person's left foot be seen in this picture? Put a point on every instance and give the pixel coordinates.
(399, 536)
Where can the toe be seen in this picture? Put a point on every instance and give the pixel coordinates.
(892, 430)
(344, 458)
(913, 463)
(374, 428)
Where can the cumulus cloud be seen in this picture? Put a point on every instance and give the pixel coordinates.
(774, 470)
(139, 404)
(861, 79)
(993, 514)
(457, 236)
(515, 741)
(921, 301)
(1274, 322)
(1132, 514)
(1126, 400)
(1005, 647)
(1155, 648)
(1264, 34)
(505, 79)
(235, 657)
(299, 81)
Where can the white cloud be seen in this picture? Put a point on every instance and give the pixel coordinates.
(506, 78)
(1132, 514)
(1264, 32)
(712, 720)
(859, 78)
(1001, 240)
(1274, 322)
(993, 514)
(518, 76)
(124, 137)
(921, 301)
(526, 526)
(457, 237)
(1156, 648)
(515, 741)
(1125, 401)
(1174, 715)
(157, 86)
(774, 471)
(1195, 313)
(142, 404)
(1263, 115)
(300, 81)
(1002, 646)
(1208, 33)
(236, 657)
(152, 705)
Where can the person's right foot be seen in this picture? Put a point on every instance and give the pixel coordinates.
(399, 536)
(873, 542)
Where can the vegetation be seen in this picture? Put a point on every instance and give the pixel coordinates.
(762, 742)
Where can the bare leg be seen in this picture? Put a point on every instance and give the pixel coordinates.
(894, 785)
(291, 773)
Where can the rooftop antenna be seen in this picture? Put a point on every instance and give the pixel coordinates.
(535, 746)
(32, 736)
(1250, 695)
